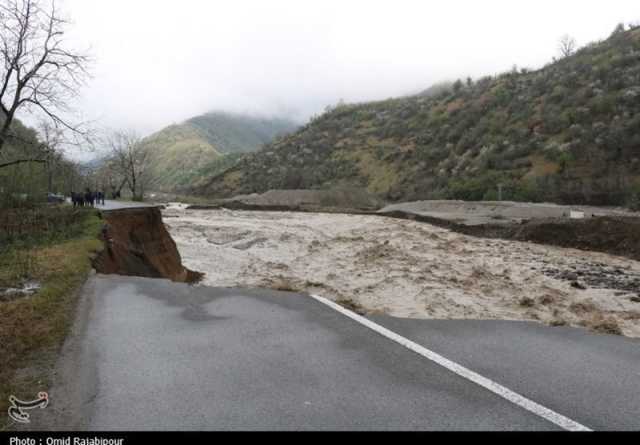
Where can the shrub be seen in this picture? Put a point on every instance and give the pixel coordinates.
(633, 202)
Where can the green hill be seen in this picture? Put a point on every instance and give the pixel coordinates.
(236, 133)
(569, 132)
(205, 145)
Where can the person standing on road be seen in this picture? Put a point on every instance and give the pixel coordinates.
(88, 197)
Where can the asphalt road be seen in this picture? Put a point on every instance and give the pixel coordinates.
(151, 354)
(593, 379)
(119, 205)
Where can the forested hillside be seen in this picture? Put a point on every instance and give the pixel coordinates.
(203, 146)
(237, 133)
(29, 169)
(569, 132)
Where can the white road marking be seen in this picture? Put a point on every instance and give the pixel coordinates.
(513, 397)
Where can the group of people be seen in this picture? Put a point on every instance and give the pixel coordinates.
(88, 198)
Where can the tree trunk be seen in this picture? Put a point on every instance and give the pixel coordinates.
(133, 187)
(4, 130)
(119, 189)
(49, 177)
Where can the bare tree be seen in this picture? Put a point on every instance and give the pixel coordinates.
(131, 160)
(110, 177)
(567, 45)
(38, 72)
(52, 138)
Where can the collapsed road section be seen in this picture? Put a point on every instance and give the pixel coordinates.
(138, 244)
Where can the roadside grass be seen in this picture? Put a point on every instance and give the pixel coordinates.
(33, 328)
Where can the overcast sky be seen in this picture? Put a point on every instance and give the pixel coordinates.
(160, 62)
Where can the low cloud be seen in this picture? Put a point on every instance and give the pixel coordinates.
(160, 62)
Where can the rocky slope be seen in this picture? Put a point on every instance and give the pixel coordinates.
(205, 145)
(569, 133)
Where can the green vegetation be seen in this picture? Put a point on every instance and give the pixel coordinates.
(54, 249)
(237, 133)
(28, 182)
(568, 132)
(206, 145)
(213, 168)
(175, 154)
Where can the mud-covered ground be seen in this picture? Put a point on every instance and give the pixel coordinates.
(473, 213)
(409, 269)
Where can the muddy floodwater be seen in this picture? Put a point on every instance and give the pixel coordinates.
(409, 269)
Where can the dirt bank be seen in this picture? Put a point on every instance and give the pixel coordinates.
(615, 235)
(409, 269)
(609, 234)
(471, 213)
(138, 244)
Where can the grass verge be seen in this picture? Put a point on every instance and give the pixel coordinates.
(33, 328)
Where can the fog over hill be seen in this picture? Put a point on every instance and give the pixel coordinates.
(163, 64)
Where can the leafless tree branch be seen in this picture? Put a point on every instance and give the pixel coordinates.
(130, 158)
(37, 71)
(567, 45)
